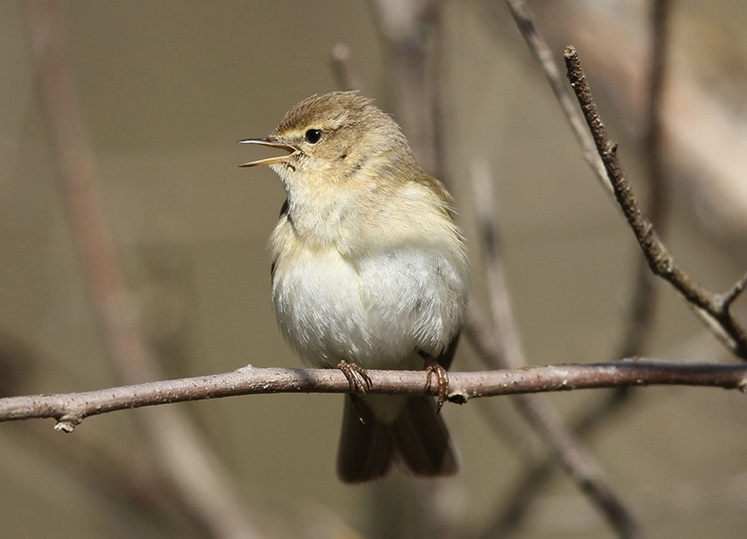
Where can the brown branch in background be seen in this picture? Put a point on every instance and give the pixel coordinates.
(411, 33)
(560, 516)
(340, 59)
(181, 454)
(504, 323)
(113, 476)
(642, 307)
(574, 458)
(69, 409)
(524, 19)
(712, 308)
(412, 38)
(653, 140)
(502, 350)
(108, 475)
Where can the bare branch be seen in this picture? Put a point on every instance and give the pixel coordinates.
(653, 139)
(572, 455)
(505, 351)
(733, 293)
(69, 409)
(411, 34)
(711, 307)
(642, 305)
(192, 470)
(340, 59)
(643, 302)
(541, 51)
(511, 353)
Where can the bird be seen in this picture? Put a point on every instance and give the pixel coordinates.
(369, 271)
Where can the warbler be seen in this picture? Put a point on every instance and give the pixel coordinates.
(369, 271)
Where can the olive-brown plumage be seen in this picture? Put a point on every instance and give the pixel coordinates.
(369, 268)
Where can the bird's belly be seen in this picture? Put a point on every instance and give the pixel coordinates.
(377, 311)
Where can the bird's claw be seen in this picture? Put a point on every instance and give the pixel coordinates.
(358, 378)
(434, 368)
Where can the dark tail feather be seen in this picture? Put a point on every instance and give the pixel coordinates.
(423, 441)
(366, 444)
(419, 437)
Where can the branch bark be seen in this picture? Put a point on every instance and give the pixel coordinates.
(69, 409)
(711, 307)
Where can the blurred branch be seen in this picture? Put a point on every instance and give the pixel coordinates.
(181, 454)
(653, 140)
(581, 465)
(712, 308)
(524, 19)
(69, 409)
(703, 121)
(643, 303)
(340, 59)
(642, 306)
(411, 34)
(504, 351)
(560, 515)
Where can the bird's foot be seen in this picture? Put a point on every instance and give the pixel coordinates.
(434, 369)
(358, 378)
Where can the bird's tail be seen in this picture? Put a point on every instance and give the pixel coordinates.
(418, 437)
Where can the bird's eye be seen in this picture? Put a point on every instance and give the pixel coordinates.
(312, 136)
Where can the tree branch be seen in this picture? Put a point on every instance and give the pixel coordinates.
(712, 308)
(69, 409)
(539, 48)
(504, 351)
(185, 461)
(341, 62)
(641, 308)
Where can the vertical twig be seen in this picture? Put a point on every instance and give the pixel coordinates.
(411, 32)
(341, 61)
(541, 51)
(180, 452)
(502, 350)
(642, 307)
(407, 28)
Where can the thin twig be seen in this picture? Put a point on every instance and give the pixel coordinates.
(642, 306)
(653, 140)
(181, 454)
(559, 515)
(504, 324)
(515, 506)
(710, 307)
(510, 515)
(69, 409)
(524, 19)
(340, 59)
(643, 303)
(573, 456)
(728, 297)
(411, 31)
(504, 351)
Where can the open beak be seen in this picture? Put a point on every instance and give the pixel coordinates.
(270, 160)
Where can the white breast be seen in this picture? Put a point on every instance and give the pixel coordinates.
(375, 311)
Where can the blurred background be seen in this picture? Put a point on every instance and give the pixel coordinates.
(166, 89)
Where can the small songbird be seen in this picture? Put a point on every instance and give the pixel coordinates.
(369, 271)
